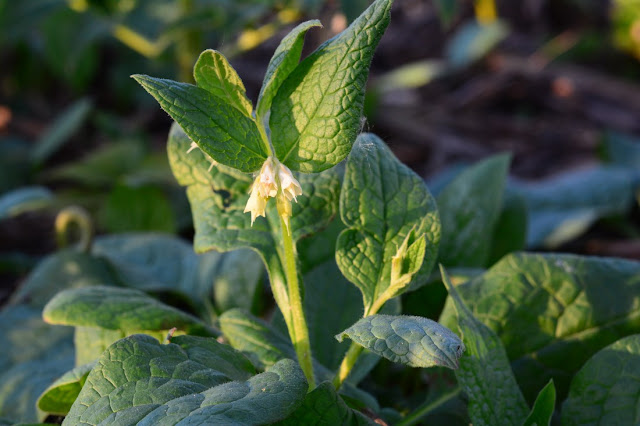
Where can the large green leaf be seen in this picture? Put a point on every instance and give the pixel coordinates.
(315, 116)
(553, 312)
(484, 373)
(284, 61)
(323, 406)
(112, 308)
(384, 204)
(33, 355)
(469, 208)
(215, 74)
(606, 389)
(189, 381)
(219, 129)
(413, 341)
(60, 395)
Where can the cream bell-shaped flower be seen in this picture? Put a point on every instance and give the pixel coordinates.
(289, 184)
(274, 180)
(266, 180)
(256, 204)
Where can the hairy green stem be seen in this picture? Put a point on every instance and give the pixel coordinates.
(298, 329)
(428, 407)
(347, 364)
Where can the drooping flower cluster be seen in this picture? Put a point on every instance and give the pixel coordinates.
(274, 180)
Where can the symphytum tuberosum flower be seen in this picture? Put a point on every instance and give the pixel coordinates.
(274, 180)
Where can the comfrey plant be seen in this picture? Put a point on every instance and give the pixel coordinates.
(307, 119)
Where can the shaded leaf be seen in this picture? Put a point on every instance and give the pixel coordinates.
(323, 406)
(157, 262)
(315, 116)
(543, 407)
(510, 231)
(237, 279)
(102, 167)
(33, 355)
(60, 395)
(60, 271)
(144, 208)
(469, 208)
(485, 374)
(563, 207)
(605, 391)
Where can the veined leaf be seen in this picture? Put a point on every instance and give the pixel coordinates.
(606, 389)
(469, 208)
(382, 202)
(215, 74)
(122, 309)
(553, 312)
(315, 116)
(284, 60)
(485, 373)
(192, 380)
(413, 341)
(221, 130)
